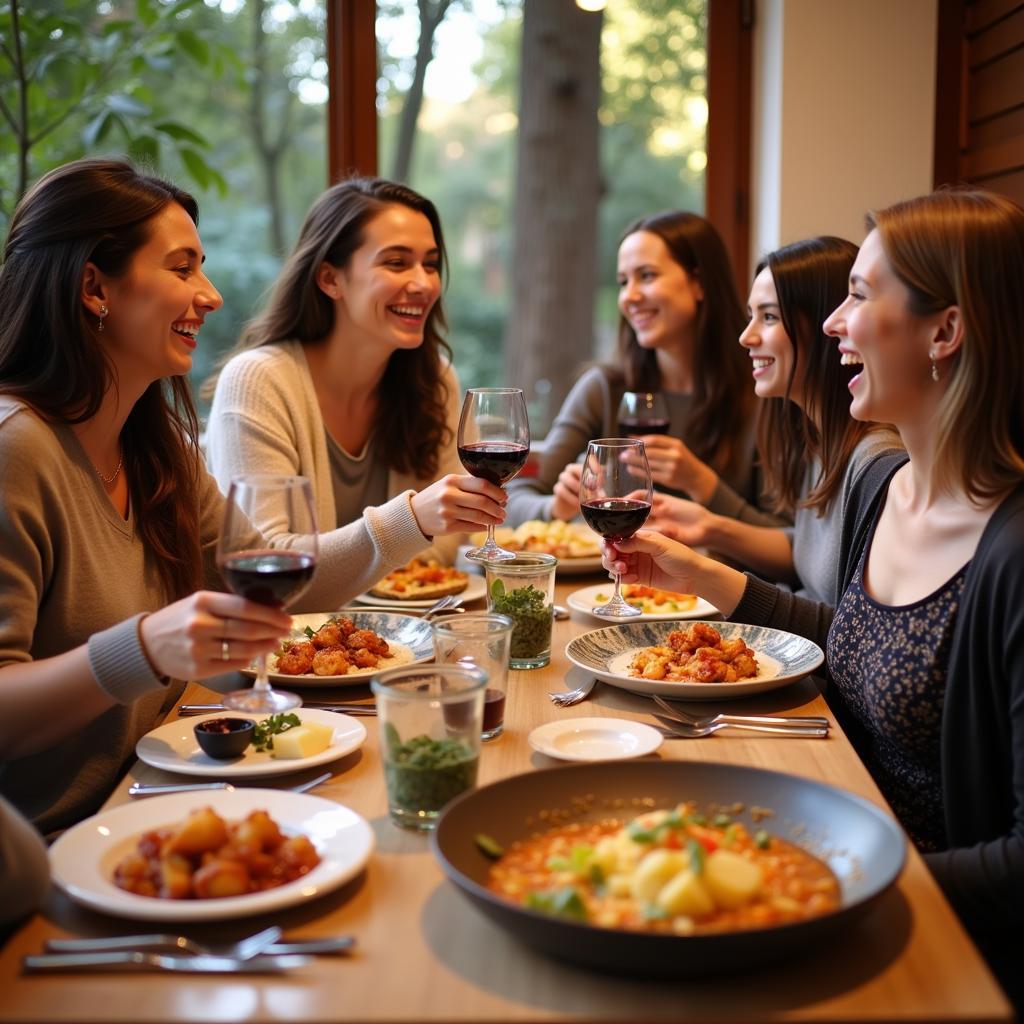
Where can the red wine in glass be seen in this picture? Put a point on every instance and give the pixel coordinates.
(642, 412)
(616, 518)
(494, 461)
(494, 444)
(634, 426)
(615, 498)
(269, 576)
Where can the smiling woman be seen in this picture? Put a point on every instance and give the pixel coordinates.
(345, 378)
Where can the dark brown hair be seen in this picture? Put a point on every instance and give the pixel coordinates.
(722, 399)
(100, 211)
(409, 434)
(965, 248)
(811, 279)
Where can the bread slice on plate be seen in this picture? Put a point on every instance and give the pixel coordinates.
(420, 580)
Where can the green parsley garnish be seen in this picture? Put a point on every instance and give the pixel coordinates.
(264, 732)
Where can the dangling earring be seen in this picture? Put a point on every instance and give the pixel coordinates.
(104, 311)
(935, 372)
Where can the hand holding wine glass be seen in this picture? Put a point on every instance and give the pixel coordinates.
(494, 443)
(643, 412)
(269, 576)
(615, 498)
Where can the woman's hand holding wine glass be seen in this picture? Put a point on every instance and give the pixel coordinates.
(267, 576)
(494, 444)
(615, 498)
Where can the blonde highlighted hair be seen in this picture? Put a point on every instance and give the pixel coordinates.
(965, 248)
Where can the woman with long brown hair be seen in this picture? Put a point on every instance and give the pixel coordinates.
(109, 522)
(345, 378)
(926, 646)
(680, 318)
(812, 451)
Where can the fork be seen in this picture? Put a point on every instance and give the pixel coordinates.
(329, 944)
(566, 698)
(162, 962)
(796, 721)
(244, 950)
(674, 729)
(143, 789)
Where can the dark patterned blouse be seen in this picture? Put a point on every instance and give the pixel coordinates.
(888, 666)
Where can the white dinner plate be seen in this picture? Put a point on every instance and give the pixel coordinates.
(579, 566)
(83, 858)
(595, 739)
(174, 747)
(586, 600)
(475, 589)
(606, 653)
(410, 638)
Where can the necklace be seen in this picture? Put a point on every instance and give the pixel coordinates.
(109, 480)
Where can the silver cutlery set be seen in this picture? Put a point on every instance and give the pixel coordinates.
(674, 723)
(262, 953)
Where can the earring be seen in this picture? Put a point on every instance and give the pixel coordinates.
(103, 312)
(935, 372)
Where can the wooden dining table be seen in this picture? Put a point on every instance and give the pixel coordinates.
(425, 954)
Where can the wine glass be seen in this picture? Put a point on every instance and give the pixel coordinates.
(642, 412)
(615, 498)
(271, 576)
(494, 443)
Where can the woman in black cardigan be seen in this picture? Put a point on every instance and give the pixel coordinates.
(926, 648)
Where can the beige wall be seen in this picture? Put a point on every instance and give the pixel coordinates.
(844, 100)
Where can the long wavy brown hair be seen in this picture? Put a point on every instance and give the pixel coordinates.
(410, 434)
(965, 248)
(722, 399)
(811, 279)
(51, 357)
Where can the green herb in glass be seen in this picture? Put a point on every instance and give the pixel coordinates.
(531, 616)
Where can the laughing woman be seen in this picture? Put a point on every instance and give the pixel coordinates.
(680, 318)
(109, 522)
(345, 378)
(926, 646)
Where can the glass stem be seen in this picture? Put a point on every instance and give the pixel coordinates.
(617, 596)
(262, 682)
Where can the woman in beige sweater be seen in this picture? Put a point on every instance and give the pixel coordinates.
(345, 378)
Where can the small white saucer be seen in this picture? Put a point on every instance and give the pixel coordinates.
(595, 739)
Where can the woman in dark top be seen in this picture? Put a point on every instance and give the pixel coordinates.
(926, 648)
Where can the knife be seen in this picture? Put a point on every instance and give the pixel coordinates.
(139, 961)
(344, 709)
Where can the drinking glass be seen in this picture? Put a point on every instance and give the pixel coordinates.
(479, 641)
(430, 722)
(615, 498)
(642, 412)
(494, 443)
(271, 576)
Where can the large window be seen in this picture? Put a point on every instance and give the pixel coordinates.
(449, 106)
(226, 97)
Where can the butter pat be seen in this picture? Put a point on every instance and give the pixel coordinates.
(303, 741)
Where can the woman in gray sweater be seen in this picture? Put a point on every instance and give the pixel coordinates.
(680, 318)
(812, 451)
(109, 522)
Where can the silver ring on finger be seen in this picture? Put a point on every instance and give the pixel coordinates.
(225, 651)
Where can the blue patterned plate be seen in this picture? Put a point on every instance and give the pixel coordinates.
(783, 658)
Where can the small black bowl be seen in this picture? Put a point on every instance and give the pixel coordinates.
(224, 737)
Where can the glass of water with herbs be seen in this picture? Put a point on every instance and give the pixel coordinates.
(430, 723)
(523, 588)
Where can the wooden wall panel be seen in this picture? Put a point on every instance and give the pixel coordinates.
(979, 118)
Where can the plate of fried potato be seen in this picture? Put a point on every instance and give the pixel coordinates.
(85, 858)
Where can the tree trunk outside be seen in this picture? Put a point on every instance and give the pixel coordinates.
(558, 187)
(431, 16)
